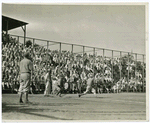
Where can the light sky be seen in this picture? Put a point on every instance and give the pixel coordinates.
(116, 27)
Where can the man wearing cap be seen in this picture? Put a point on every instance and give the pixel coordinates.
(26, 68)
(56, 85)
(90, 85)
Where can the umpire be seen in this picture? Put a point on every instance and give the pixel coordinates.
(26, 68)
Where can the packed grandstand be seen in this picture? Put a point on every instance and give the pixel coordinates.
(72, 67)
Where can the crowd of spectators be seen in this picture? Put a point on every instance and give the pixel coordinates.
(71, 65)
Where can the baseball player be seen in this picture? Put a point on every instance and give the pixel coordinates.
(90, 85)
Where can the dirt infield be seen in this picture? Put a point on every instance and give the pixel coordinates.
(123, 106)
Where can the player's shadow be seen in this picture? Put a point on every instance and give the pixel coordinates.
(27, 110)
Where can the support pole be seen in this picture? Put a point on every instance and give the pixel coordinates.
(135, 66)
(112, 65)
(18, 40)
(120, 66)
(83, 59)
(33, 58)
(47, 59)
(33, 43)
(7, 30)
(17, 46)
(103, 64)
(70, 66)
(94, 60)
(72, 49)
(33, 49)
(47, 56)
(128, 74)
(143, 76)
(59, 56)
(24, 34)
(72, 53)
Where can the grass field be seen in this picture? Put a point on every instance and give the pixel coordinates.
(122, 106)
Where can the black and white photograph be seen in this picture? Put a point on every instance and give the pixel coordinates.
(74, 62)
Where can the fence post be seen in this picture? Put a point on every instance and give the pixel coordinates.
(18, 46)
(47, 56)
(143, 73)
(24, 34)
(135, 66)
(7, 30)
(33, 59)
(112, 65)
(94, 60)
(18, 39)
(128, 74)
(59, 57)
(120, 66)
(72, 49)
(135, 63)
(83, 59)
(103, 64)
(33, 46)
(70, 66)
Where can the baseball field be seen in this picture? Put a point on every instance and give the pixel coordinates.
(116, 107)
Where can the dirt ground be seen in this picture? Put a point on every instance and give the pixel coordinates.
(122, 106)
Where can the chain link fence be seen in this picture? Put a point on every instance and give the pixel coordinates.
(125, 71)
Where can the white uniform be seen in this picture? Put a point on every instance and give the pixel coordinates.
(90, 85)
(56, 86)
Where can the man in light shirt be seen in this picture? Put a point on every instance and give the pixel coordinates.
(26, 68)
